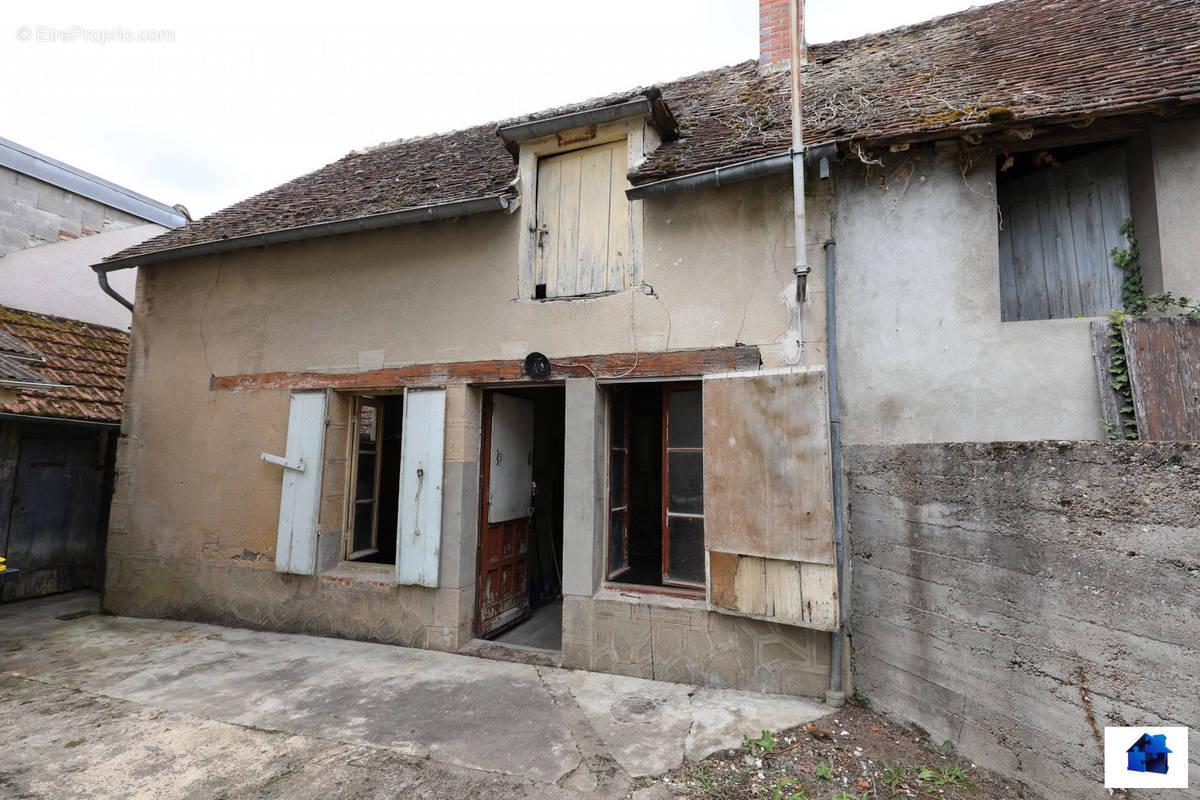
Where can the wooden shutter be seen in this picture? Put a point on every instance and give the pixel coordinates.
(296, 542)
(1059, 226)
(419, 527)
(768, 498)
(583, 221)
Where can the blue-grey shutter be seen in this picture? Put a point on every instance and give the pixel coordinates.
(296, 543)
(419, 527)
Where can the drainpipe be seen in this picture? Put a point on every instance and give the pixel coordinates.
(799, 54)
(836, 696)
(102, 276)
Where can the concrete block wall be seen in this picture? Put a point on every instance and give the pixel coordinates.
(34, 212)
(1017, 598)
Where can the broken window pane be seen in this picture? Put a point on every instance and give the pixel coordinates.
(684, 423)
(686, 491)
(685, 562)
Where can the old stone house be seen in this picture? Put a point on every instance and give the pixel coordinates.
(341, 390)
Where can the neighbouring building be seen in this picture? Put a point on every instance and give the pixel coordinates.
(341, 390)
(55, 221)
(63, 346)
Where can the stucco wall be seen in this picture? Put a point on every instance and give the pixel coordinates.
(1018, 598)
(923, 354)
(57, 278)
(1177, 178)
(193, 499)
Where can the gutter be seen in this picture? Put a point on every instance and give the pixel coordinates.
(734, 173)
(390, 219)
(91, 423)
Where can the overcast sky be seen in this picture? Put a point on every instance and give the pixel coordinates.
(234, 98)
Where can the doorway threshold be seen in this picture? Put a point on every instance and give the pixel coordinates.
(517, 653)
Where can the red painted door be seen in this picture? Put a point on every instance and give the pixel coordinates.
(506, 476)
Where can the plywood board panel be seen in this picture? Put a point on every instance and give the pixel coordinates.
(767, 484)
(788, 592)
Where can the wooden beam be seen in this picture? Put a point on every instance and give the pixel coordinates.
(674, 364)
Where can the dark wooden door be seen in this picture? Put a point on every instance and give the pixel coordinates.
(502, 595)
(54, 521)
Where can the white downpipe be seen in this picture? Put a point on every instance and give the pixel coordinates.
(801, 269)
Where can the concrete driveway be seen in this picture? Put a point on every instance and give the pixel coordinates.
(114, 707)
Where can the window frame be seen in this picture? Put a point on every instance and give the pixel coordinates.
(669, 586)
(352, 501)
(640, 139)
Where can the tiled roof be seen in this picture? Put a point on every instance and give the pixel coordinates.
(88, 359)
(1009, 63)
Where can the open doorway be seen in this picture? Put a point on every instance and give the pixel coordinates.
(519, 559)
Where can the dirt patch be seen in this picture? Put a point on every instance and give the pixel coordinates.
(853, 754)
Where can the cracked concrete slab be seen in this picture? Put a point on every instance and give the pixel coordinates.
(233, 709)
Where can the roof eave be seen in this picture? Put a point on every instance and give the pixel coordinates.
(390, 219)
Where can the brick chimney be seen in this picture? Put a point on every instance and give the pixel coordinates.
(774, 26)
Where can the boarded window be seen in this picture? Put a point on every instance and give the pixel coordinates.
(1061, 215)
(582, 227)
(768, 494)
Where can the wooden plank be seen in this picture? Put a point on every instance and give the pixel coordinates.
(299, 502)
(1114, 210)
(1187, 347)
(567, 230)
(787, 592)
(1084, 197)
(10, 438)
(1029, 271)
(545, 251)
(1110, 398)
(595, 196)
(674, 364)
(767, 486)
(419, 527)
(1162, 354)
(1008, 283)
(1054, 257)
(620, 211)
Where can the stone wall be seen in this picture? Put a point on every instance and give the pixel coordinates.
(1017, 598)
(34, 212)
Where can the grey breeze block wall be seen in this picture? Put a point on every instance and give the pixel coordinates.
(1018, 597)
(34, 212)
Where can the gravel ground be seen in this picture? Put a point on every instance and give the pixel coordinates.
(853, 754)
